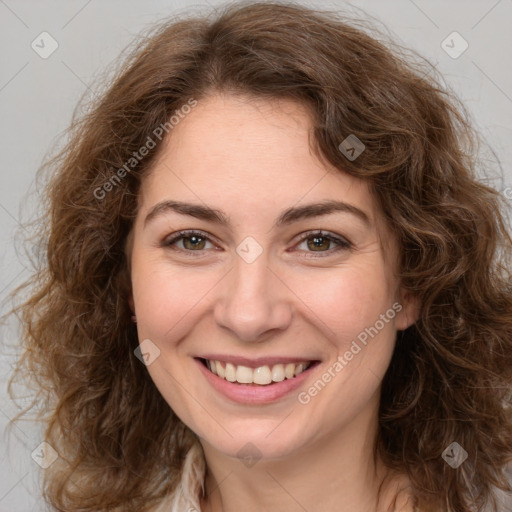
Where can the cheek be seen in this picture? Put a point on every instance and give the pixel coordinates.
(346, 300)
(355, 306)
(166, 297)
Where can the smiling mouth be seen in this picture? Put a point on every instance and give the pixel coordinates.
(262, 376)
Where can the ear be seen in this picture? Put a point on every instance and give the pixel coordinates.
(409, 312)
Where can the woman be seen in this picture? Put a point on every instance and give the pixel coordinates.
(273, 282)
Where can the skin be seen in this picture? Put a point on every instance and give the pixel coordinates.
(251, 159)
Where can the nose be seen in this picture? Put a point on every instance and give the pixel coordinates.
(253, 302)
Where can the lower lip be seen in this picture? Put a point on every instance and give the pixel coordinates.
(254, 394)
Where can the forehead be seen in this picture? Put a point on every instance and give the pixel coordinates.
(252, 158)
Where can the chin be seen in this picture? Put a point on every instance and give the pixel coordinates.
(255, 444)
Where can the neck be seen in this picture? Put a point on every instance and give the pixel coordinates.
(335, 472)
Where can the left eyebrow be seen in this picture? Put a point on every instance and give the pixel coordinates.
(287, 217)
(318, 209)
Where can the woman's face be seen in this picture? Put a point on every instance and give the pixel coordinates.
(257, 288)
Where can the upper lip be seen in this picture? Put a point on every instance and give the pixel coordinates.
(256, 362)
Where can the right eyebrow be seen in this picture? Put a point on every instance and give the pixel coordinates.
(193, 210)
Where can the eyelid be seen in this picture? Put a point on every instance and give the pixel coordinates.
(170, 240)
(342, 242)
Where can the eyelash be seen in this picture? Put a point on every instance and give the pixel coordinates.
(341, 243)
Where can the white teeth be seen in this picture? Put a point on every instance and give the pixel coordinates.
(220, 369)
(299, 369)
(243, 375)
(230, 372)
(263, 375)
(278, 373)
(289, 371)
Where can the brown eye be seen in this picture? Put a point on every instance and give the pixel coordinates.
(318, 243)
(193, 242)
(188, 241)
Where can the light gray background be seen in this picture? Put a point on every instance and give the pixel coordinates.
(37, 98)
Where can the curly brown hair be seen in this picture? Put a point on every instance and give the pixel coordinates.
(120, 445)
